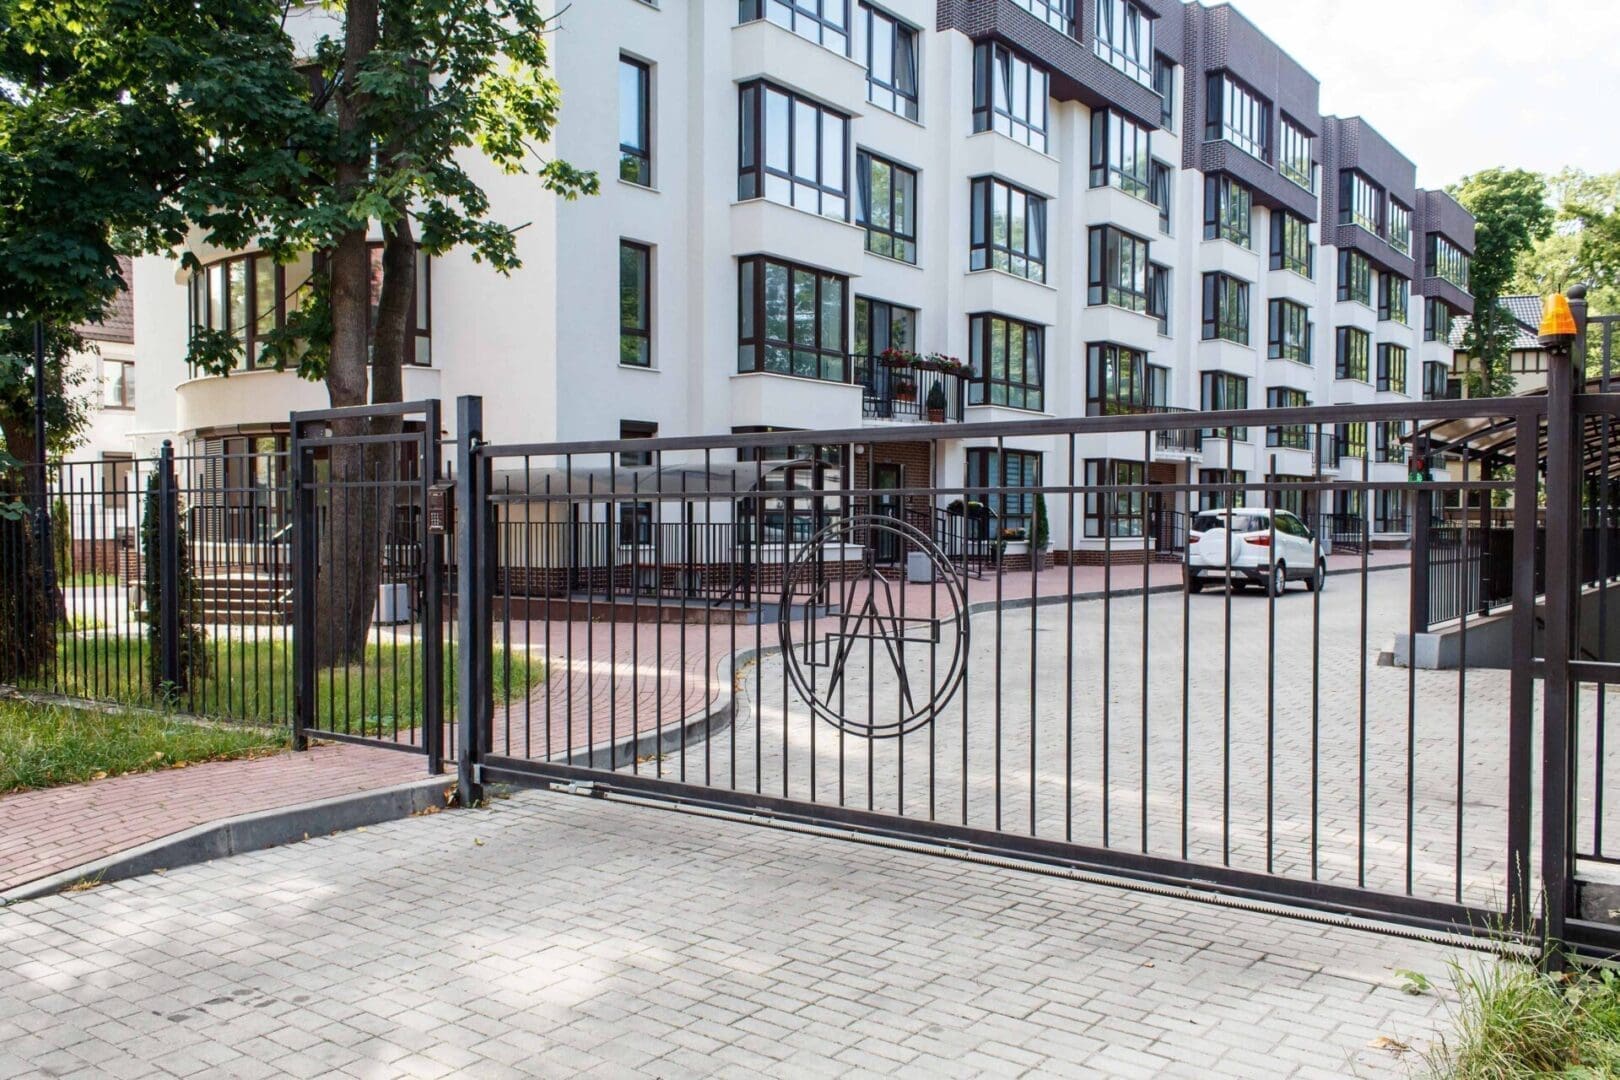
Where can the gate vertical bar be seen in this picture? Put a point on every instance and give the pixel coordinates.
(432, 599)
(1422, 517)
(1522, 684)
(306, 550)
(168, 567)
(473, 628)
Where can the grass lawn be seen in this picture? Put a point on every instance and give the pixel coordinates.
(1514, 1021)
(45, 745)
(253, 680)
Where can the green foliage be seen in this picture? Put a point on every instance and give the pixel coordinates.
(1513, 1020)
(62, 539)
(68, 406)
(192, 667)
(1043, 529)
(1510, 213)
(1584, 244)
(27, 643)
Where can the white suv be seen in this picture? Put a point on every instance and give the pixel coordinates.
(1254, 545)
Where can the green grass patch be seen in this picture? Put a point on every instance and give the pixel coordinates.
(253, 680)
(45, 745)
(1512, 1020)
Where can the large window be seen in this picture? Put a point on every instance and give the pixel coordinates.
(635, 122)
(1238, 115)
(1228, 210)
(990, 472)
(1159, 189)
(1217, 487)
(823, 21)
(1120, 154)
(1355, 277)
(1110, 511)
(1389, 441)
(1291, 247)
(1400, 228)
(1058, 14)
(1447, 261)
(1294, 155)
(1009, 229)
(637, 429)
(1436, 376)
(1288, 436)
(1008, 361)
(117, 384)
(791, 320)
(1117, 269)
(1221, 390)
(793, 151)
(1288, 336)
(880, 326)
(1119, 380)
(1394, 296)
(1351, 440)
(117, 480)
(1360, 201)
(1351, 348)
(635, 304)
(1125, 38)
(891, 63)
(1158, 304)
(1389, 510)
(1009, 95)
(886, 205)
(1226, 308)
(1164, 82)
(1392, 368)
(1437, 317)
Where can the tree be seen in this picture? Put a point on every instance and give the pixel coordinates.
(67, 405)
(1510, 214)
(1584, 243)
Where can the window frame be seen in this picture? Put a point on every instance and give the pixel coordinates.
(1111, 134)
(1128, 507)
(641, 153)
(1221, 391)
(753, 323)
(1398, 226)
(1228, 210)
(1225, 95)
(983, 249)
(1122, 290)
(1448, 262)
(1027, 393)
(1354, 269)
(1361, 202)
(809, 12)
(1284, 315)
(1430, 330)
(889, 95)
(1159, 295)
(1389, 310)
(1351, 364)
(1295, 145)
(124, 380)
(986, 474)
(1213, 484)
(1109, 392)
(991, 57)
(643, 332)
(754, 178)
(1125, 43)
(1288, 436)
(1216, 303)
(1287, 229)
(1167, 93)
(1058, 14)
(636, 429)
(1392, 368)
(902, 244)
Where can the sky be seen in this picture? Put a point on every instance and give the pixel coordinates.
(1461, 85)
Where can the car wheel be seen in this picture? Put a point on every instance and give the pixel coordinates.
(1278, 580)
(1195, 584)
(1318, 581)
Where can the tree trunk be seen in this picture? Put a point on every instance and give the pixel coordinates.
(27, 637)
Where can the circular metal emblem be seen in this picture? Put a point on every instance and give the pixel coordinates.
(911, 649)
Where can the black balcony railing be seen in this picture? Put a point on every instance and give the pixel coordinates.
(917, 394)
(1188, 441)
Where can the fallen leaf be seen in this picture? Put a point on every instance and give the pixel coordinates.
(1394, 1046)
(477, 841)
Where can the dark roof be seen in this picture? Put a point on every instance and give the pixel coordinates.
(1526, 312)
(119, 321)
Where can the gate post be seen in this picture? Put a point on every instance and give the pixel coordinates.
(304, 556)
(168, 509)
(432, 605)
(473, 629)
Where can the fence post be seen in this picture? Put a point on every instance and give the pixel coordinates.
(169, 565)
(1422, 517)
(432, 599)
(305, 553)
(472, 627)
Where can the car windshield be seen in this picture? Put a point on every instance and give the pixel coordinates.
(1240, 522)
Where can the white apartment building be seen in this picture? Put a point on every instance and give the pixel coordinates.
(1098, 206)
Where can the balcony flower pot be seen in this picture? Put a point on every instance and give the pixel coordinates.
(905, 389)
(936, 403)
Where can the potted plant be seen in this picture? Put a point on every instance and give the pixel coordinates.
(1043, 534)
(936, 403)
(905, 388)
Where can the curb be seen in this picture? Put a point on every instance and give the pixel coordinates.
(248, 832)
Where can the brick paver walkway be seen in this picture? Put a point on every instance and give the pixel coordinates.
(561, 936)
(45, 832)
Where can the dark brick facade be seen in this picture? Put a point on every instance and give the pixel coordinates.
(1438, 212)
(1352, 143)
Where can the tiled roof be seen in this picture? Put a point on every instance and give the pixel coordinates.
(1526, 312)
(119, 324)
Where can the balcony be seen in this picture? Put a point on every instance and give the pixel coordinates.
(1179, 443)
(909, 391)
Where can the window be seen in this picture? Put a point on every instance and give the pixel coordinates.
(1120, 154)
(1110, 511)
(791, 320)
(1216, 488)
(1388, 438)
(1355, 277)
(636, 429)
(1294, 155)
(1394, 294)
(1288, 436)
(1228, 210)
(1226, 308)
(825, 22)
(1008, 362)
(117, 479)
(1117, 272)
(1400, 228)
(1351, 440)
(1392, 368)
(1389, 511)
(1125, 38)
(1294, 502)
(1350, 353)
(1221, 390)
(793, 151)
(1291, 247)
(891, 63)
(1120, 381)
(880, 326)
(1009, 95)
(117, 384)
(1159, 189)
(635, 122)
(1435, 381)
(886, 205)
(1009, 229)
(1360, 201)
(635, 304)
(991, 472)
(1238, 115)
(1288, 335)
(1437, 317)
(1447, 261)
(1058, 14)
(1164, 81)
(1158, 299)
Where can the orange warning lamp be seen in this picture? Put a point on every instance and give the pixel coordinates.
(1557, 331)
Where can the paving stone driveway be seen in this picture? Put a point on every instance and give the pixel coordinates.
(556, 935)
